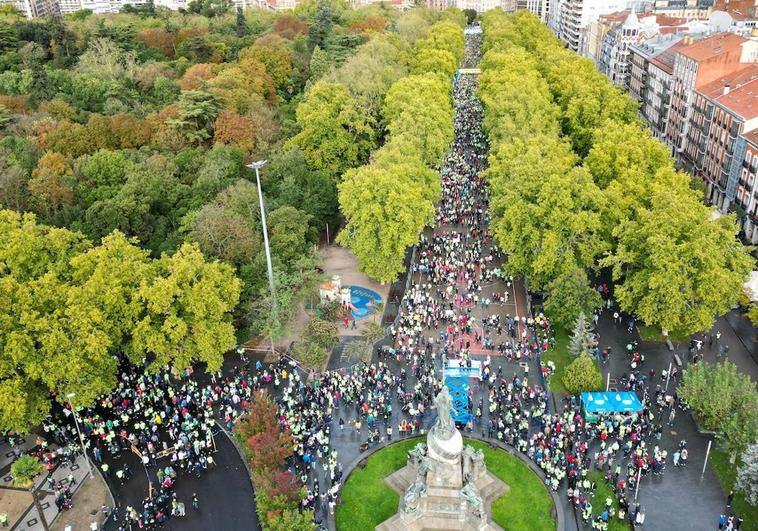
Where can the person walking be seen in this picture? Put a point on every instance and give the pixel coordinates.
(195, 502)
(672, 416)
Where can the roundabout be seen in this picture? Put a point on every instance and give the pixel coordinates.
(368, 500)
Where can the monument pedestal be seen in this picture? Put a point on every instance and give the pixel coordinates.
(444, 486)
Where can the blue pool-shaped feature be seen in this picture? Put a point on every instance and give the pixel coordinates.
(364, 301)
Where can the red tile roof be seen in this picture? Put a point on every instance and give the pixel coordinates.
(742, 98)
(713, 46)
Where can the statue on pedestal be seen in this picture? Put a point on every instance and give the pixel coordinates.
(412, 496)
(444, 427)
(475, 504)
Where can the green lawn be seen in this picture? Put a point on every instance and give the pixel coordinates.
(652, 333)
(367, 500)
(602, 492)
(726, 473)
(559, 355)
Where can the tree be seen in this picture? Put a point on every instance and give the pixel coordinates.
(359, 350)
(582, 339)
(334, 136)
(187, 312)
(195, 75)
(752, 314)
(570, 295)
(434, 61)
(222, 233)
(6, 118)
(471, 15)
(241, 26)
(677, 266)
(319, 64)
(231, 128)
(105, 60)
(323, 333)
(272, 51)
(197, 114)
(25, 469)
(386, 208)
(292, 520)
(310, 354)
(419, 109)
(102, 175)
(288, 228)
(747, 474)
(582, 375)
(292, 183)
(368, 74)
(48, 187)
(546, 214)
(13, 184)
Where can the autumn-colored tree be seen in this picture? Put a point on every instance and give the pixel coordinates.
(160, 39)
(272, 51)
(58, 108)
(260, 416)
(71, 139)
(370, 24)
(195, 75)
(269, 450)
(289, 27)
(47, 187)
(130, 132)
(15, 104)
(231, 128)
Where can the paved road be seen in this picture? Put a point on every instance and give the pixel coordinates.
(225, 493)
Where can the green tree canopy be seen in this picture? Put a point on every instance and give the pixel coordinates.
(334, 135)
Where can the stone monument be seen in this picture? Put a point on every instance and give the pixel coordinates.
(444, 485)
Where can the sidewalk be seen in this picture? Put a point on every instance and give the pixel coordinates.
(26, 515)
(681, 498)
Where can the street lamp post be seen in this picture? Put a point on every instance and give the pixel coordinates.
(79, 431)
(257, 166)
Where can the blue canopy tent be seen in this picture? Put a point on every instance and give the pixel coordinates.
(458, 388)
(599, 403)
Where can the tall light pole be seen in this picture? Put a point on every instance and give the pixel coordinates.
(79, 431)
(257, 165)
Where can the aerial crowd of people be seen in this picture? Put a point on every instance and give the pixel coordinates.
(452, 311)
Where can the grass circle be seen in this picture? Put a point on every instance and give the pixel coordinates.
(367, 500)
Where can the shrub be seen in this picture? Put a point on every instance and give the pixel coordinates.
(582, 375)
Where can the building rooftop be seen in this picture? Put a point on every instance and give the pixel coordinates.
(713, 46)
(742, 96)
(665, 58)
(752, 137)
(738, 9)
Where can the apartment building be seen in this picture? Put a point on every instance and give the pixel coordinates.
(697, 64)
(721, 111)
(652, 66)
(34, 8)
(744, 175)
(571, 19)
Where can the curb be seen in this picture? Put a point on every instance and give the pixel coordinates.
(560, 517)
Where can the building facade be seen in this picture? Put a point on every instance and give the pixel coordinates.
(697, 64)
(34, 8)
(722, 111)
(745, 176)
(571, 19)
(652, 65)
